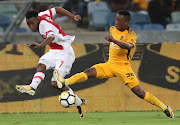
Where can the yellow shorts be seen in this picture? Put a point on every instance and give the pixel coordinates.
(122, 71)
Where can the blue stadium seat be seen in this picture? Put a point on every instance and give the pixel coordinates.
(9, 9)
(132, 17)
(140, 19)
(1, 30)
(175, 17)
(153, 27)
(21, 30)
(173, 27)
(5, 21)
(99, 20)
(111, 19)
(136, 27)
(94, 7)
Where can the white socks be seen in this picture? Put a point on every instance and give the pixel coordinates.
(78, 100)
(37, 79)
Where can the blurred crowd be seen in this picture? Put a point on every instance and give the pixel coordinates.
(159, 11)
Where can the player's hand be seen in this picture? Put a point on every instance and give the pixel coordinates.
(35, 45)
(109, 38)
(77, 17)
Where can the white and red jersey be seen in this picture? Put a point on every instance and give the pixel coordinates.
(47, 27)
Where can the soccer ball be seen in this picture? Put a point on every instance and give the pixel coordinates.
(67, 99)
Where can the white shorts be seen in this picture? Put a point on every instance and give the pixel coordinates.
(62, 61)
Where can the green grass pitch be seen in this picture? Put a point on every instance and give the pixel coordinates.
(95, 118)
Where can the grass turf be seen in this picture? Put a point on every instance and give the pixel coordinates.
(96, 118)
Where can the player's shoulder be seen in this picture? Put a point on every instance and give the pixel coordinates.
(131, 31)
(112, 29)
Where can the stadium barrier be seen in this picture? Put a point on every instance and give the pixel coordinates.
(156, 65)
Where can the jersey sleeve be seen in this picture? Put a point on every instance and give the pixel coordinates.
(51, 12)
(132, 37)
(111, 30)
(45, 29)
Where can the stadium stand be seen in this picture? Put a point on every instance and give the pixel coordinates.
(92, 8)
(153, 27)
(9, 10)
(5, 21)
(136, 27)
(21, 30)
(173, 27)
(99, 20)
(111, 19)
(140, 19)
(175, 17)
(1, 30)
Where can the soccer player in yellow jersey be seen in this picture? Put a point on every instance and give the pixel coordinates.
(122, 41)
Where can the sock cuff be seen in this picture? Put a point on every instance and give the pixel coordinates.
(146, 96)
(39, 75)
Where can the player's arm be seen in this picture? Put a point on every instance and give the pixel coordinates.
(64, 12)
(120, 43)
(48, 40)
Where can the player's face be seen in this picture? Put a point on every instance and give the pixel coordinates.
(121, 23)
(33, 23)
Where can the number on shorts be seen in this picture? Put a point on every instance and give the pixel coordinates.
(61, 64)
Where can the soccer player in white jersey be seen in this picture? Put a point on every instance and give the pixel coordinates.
(60, 56)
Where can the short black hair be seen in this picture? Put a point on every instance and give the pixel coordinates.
(125, 13)
(31, 14)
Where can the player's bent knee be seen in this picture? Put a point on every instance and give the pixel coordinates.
(41, 68)
(91, 72)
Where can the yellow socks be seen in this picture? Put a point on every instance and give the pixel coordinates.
(77, 78)
(153, 100)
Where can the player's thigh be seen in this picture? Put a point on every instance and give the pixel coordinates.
(48, 60)
(103, 71)
(127, 76)
(64, 64)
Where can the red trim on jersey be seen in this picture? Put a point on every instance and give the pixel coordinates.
(55, 46)
(38, 77)
(48, 32)
(43, 17)
(50, 13)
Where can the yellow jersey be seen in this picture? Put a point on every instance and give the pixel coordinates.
(116, 53)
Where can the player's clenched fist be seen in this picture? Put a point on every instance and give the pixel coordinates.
(34, 44)
(77, 17)
(109, 38)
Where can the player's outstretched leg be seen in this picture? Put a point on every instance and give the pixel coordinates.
(169, 113)
(30, 89)
(25, 89)
(151, 99)
(82, 109)
(77, 78)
